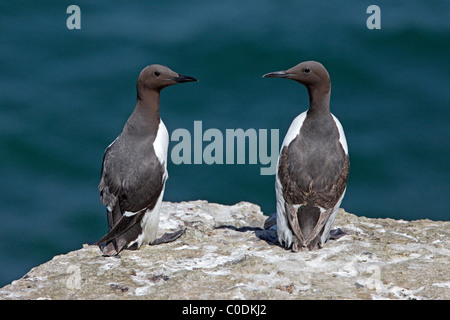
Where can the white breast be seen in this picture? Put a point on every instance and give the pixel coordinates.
(161, 145)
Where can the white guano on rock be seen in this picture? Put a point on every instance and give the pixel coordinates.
(226, 253)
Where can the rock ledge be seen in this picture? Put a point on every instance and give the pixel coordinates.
(228, 253)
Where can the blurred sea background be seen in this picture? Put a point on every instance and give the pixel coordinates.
(66, 94)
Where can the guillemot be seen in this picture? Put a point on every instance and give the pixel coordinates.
(313, 165)
(134, 169)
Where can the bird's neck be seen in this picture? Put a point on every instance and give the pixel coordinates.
(145, 116)
(319, 99)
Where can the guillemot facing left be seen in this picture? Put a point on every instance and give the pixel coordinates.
(313, 165)
(134, 169)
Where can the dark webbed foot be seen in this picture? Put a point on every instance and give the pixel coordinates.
(110, 249)
(169, 237)
(336, 234)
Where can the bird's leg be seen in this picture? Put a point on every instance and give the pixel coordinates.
(297, 245)
(169, 237)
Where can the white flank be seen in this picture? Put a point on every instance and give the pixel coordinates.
(285, 236)
(329, 223)
(342, 139)
(149, 224)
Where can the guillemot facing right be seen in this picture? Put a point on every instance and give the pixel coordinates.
(134, 169)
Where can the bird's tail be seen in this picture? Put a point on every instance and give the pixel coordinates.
(122, 235)
(308, 217)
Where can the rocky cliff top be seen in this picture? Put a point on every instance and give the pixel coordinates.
(227, 252)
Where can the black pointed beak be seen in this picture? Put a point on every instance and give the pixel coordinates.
(276, 74)
(182, 78)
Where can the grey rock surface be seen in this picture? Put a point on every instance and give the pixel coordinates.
(228, 252)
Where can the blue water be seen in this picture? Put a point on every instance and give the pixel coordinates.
(65, 95)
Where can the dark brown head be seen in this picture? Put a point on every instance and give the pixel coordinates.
(311, 74)
(156, 77)
(308, 73)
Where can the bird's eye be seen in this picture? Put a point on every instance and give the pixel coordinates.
(307, 70)
(156, 74)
